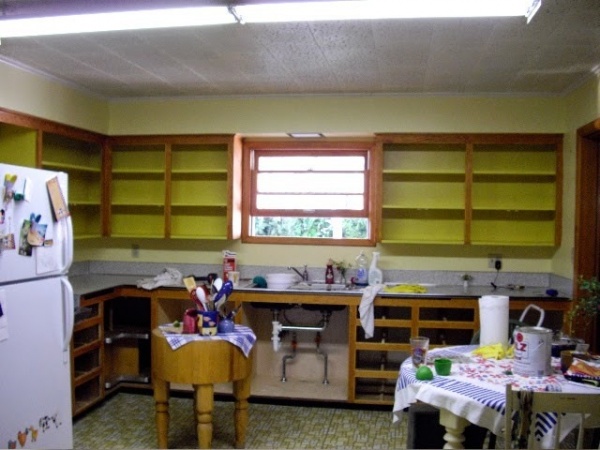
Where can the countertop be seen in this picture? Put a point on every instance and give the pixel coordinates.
(87, 284)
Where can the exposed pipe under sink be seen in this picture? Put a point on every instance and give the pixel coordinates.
(278, 328)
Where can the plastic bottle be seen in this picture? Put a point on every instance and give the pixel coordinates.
(362, 271)
(375, 273)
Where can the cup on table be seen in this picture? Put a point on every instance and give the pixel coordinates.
(418, 350)
(190, 321)
(443, 366)
(207, 322)
(234, 276)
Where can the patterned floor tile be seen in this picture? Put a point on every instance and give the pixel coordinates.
(126, 421)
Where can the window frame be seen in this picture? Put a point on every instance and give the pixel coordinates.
(367, 147)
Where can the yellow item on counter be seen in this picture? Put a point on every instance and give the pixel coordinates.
(494, 351)
(405, 288)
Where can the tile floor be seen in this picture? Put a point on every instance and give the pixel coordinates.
(126, 421)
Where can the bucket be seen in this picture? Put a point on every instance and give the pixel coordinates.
(533, 351)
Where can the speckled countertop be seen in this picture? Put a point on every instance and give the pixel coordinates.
(87, 284)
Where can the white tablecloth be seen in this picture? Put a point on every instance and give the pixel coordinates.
(475, 389)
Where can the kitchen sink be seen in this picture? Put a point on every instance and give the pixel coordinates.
(321, 286)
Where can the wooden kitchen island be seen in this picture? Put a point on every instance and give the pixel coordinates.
(200, 363)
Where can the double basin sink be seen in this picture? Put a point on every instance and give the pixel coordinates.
(317, 287)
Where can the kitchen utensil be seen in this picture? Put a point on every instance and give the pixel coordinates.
(216, 285)
(201, 296)
(221, 298)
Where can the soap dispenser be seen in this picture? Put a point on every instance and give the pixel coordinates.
(375, 273)
(329, 272)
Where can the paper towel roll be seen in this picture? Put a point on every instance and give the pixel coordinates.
(493, 317)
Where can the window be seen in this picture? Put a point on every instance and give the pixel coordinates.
(308, 192)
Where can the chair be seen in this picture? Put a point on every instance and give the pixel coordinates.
(523, 407)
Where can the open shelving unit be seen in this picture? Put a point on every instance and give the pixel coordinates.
(177, 187)
(480, 189)
(82, 161)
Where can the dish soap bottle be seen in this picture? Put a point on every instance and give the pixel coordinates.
(375, 273)
(329, 272)
(362, 273)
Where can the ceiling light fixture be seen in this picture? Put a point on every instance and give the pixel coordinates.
(264, 13)
(115, 21)
(304, 135)
(384, 9)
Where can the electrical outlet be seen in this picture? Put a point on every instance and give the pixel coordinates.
(495, 262)
(135, 251)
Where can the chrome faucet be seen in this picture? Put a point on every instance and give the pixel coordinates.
(303, 275)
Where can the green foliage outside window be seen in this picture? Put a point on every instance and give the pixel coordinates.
(310, 227)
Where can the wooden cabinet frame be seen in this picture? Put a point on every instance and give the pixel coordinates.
(449, 223)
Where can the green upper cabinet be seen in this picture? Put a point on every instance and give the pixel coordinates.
(179, 187)
(18, 145)
(517, 190)
(473, 189)
(82, 161)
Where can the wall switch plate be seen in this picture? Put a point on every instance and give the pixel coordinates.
(493, 260)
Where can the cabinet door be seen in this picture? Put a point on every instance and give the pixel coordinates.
(82, 160)
(137, 190)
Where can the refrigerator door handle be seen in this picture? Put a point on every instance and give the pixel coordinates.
(67, 245)
(69, 316)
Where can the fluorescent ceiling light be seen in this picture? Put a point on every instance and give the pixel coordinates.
(114, 21)
(263, 13)
(382, 9)
(305, 135)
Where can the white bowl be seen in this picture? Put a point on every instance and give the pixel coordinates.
(280, 280)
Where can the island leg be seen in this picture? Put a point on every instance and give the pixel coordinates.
(204, 402)
(241, 392)
(161, 404)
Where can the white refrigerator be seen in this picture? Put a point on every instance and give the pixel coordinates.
(36, 316)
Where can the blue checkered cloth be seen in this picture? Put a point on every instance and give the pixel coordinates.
(242, 337)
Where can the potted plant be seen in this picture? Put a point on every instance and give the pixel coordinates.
(342, 267)
(585, 308)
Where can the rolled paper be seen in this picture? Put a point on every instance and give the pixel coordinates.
(493, 318)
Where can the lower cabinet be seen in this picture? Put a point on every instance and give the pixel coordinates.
(126, 340)
(111, 339)
(110, 345)
(87, 355)
(374, 363)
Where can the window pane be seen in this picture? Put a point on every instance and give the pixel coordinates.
(311, 163)
(346, 183)
(310, 202)
(310, 227)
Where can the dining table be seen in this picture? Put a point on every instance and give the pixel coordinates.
(474, 392)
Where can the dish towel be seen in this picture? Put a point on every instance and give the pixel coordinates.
(366, 310)
(168, 277)
(242, 337)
